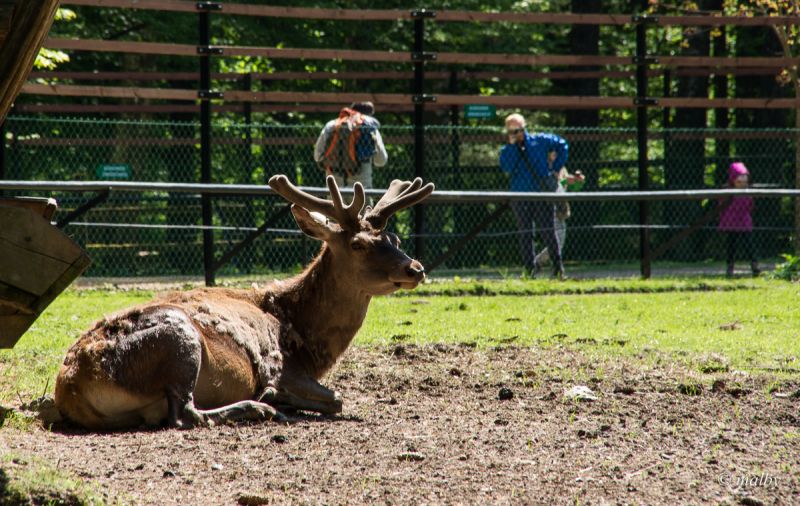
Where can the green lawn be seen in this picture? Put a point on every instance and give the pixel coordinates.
(686, 319)
(672, 319)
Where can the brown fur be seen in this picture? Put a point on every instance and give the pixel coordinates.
(214, 355)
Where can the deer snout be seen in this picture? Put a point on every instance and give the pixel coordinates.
(409, 275)
(416, 270)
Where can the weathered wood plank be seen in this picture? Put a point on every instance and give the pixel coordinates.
(73, 271)
(28, 270)
(13, 300)
(30, 22)
(6, 9)
(42, 206)
(29, 232)
(12, 327)
(37, 262)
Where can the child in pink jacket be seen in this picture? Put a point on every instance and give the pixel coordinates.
(736, 220)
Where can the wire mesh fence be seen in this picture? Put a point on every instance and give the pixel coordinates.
(158, 234)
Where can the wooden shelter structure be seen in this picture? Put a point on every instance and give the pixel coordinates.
(37, 261)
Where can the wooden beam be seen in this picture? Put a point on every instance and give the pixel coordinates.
(112, 108)
(393, 74)
(712, 19)
(155, 5)
(159, 48)
(390, 138)
(524, 59)
(717, 19)
(6, 10)
(30, 23)
(730, 103)
(130, 76)
(67, 90)
(511, 101)
(122, 46)
(736, 62)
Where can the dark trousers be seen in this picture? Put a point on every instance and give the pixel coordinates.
(542, 216)
(738, 241)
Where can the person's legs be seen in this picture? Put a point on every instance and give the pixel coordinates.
(544, 215)
(749, 244)
(731, 240)
(561, 233)
(524, 214)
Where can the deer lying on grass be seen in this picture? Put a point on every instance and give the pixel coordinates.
(215, 355)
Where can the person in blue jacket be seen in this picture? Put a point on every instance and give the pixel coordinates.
(530, 176)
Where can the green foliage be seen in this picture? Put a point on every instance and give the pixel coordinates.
(788, 270)
(49, 59)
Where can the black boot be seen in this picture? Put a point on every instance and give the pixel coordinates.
(755, 269)
(558, 271)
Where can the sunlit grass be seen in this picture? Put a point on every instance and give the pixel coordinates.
(28, 480)
(682, 319)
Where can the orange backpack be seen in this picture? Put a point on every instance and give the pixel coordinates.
(351, 143)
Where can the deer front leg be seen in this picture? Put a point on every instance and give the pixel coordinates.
(301, 391)
(252, 411)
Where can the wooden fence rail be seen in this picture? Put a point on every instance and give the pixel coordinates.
(393, 75)
(715, 19)
(168, 49)
(556, 102)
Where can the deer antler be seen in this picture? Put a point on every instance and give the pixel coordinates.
(401, 194)
(345, 216)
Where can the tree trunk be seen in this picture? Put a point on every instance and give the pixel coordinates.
(797, 172)
(584, 39)
(22, 31)
(766, 159)
(584, 155)
(783, 38)
(684, 159)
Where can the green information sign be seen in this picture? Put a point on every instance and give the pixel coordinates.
(113, 171)
(480, 111)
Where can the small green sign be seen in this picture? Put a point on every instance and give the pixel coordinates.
(480, 111)
(113, 171)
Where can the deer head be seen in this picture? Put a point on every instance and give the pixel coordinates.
(364, 252)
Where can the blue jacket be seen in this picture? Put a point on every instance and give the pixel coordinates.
(536, 147)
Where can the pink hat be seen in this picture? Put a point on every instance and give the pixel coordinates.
(735, 170)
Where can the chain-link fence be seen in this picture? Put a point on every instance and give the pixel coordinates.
(161, 234)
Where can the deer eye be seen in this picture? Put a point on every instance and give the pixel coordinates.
(356, 246)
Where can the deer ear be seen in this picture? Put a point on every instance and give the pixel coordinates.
(312, 224)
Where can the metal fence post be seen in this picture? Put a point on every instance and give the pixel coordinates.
(455, 138)
(205, 95)
(641, 101)
(247, 85)
(419, 56)
(2, 152)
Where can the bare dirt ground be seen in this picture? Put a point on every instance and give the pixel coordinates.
(427, 425)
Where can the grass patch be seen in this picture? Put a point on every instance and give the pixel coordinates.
(710, 324)
(742, 324)
(26, 480)
(457, 286)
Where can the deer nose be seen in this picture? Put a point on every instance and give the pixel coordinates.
(415, 270)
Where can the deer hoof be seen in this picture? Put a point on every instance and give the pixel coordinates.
(191, 419)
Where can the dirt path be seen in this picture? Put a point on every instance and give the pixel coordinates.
(425, 425)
